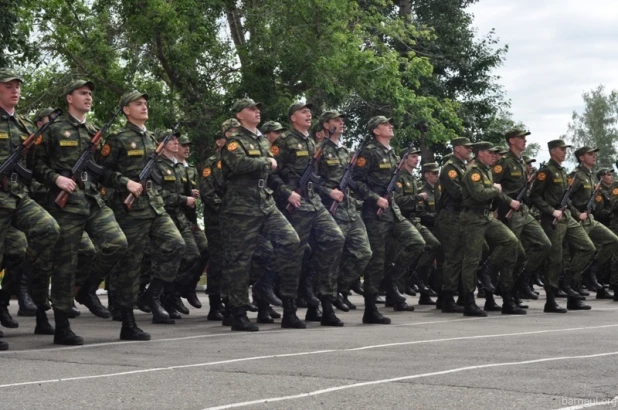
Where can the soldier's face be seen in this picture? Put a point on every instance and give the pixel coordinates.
(301, 119)
(384, 130)
(80, 99)
(589, 159)
(273, 135)
(608, 179)
(558, 153)
(464, 152)
(412, 160)
(432, 177)
(319, 136)
(172, 145)
(9, 94)
(519, 143)
(185, 150)
(220, 142)
(137, 110)
(486, 157)
(336, 123)
(250, 116)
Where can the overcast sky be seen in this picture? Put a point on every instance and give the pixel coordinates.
(557, 50)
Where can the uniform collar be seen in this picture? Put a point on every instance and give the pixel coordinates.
(74, 121)
(136, 128)
(554, 163)
(584, 169)
(459, 161)
(511, 155)
(248, 133)
(299, 134)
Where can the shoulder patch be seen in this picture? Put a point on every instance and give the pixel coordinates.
(232, 146)
(399, 184)
(361, 162)
(38, 140)
(452, 174)
(475, 177)
(218, 164)
(598, 198)
(615, 191)
(206, 172)
(498, 169)
(541, 176)
(106, 150)
(274, 150)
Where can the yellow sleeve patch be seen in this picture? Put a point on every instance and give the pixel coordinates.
(206, 172)
(498, 169)
(361, 162)
(541, 176)
(475, 177)
(106, 150)
(232, 146)
(452, 174)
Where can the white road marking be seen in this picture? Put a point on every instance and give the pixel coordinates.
(411, 377)
(316, 352)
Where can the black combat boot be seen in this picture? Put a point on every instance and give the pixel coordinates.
(5, 317)
(523, 286)
(565, 285)
(240, 321)
(490, 303)
(347, 301)
(340, 304)
(264, 288)
(448, 303)
(603, 293)
(328, 317)
(113, 307)
(188, 292)
(470, 307)
(228, 316)
(177, 301)
(424, 299)
(372, 315)
(251, 307)
(43, 327)
(273, 313)
(536, 278)
(485, 273)
(577, 304)
(27, 307)
(74, 312)
(129, 330)
(153, 299)
(4, 345)
(290, 320)
(592, 276)
(550, 304)
(63, 334)
(263, 315)
(170, 307)
(87, 296)
(314, 314)
(518, 300)
(509, 307)
(214, 312)
(357, 287)
(423, 273)
(305, 289)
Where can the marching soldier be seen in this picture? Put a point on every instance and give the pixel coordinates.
(602, 210)
(614, 227)
(546, 194)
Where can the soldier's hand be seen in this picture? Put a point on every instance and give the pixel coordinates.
(383, 203)
(337, 195)
(294, 199)
(583, 216)
(195, 193)
(190, 202)
(66, 184)
(498, 187)
(135, 188)
(557, 214)
(515, 205)
(423, 195)
(273, 163)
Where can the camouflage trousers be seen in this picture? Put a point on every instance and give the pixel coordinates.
(239, 240)
(103, 230)
(87, 262)
(196, 256)
(503, 243)
(430, 253)
(321, 244)
(448, 233)
(262, 259)
(166, 250)
(41, 231)
(582, 249)
(613, 281)
(379, 232)
(15, 246)
(215, 259)
(604, 240)
(356, 252)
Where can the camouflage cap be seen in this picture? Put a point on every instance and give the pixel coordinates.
(431, 167)
(528, 160)
(414, 151)
(270, 126)
(558, 144)
(161, 134)
(375, 121)
(329, 115)
(131, 96)
(219, 136)
(74, 85)
(228, 125)
(584, 150)
(316, 127)
(42, 113)
(502, 149)
(7, 74)
(298, 105)
(603, 171)
(484, 146)
(461, 141)
(243, 103)
(515, 133)
(184, 140)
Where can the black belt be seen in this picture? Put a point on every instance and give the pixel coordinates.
(478, 211)
(259, 183)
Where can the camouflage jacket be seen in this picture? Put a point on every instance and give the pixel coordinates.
(173, 189)
(427, 208)
(613, 200)
(125, 153)
(602, 209)
(408, 198)
(13, 130)
(583, 187)
(547, 190)
(190, 181)
(211, 188)
(478, 191)
(450, 184)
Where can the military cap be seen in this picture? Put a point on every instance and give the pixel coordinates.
(461, 141)
(184, 140)
(558, 144)
(412, 152)
(528, 160)
(316, 127)
(602, 172)
(7, 74)
(502, 149)
(430, 167)
(270, 126)
(329, 115)
(516, 133)
(161, 134)
(484, 146)
(228, 125)
(42, 113)
(298, 106)
(584, 150)
(219, 135)
(243, 103)
(131, 96)
(375, 121)
(74, 85)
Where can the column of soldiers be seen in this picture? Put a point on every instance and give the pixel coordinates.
(290, 213)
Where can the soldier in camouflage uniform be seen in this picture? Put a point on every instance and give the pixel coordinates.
(613, 225)
(546, 193)
(320, 237)
(448, 223)
(16, 207)
(58, 152)
(247, 207)
(605, 241)
(356, 252)
(372, 175)
(602, 209)
(125, 154)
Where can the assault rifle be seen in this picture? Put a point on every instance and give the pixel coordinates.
(522, 193)
(147, 173)
(78, 172)
(12, 165)
(566, 197)
(346, 180)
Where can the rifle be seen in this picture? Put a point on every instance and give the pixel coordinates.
(78, 172)
(309, 176)
(591, 200)
(190, 212)
(564, 202)
(522, 192)
(393, 183)
(346, 180)
(146, 172)
(12, 164)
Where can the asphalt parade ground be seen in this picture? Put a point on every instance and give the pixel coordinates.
(424, 360)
